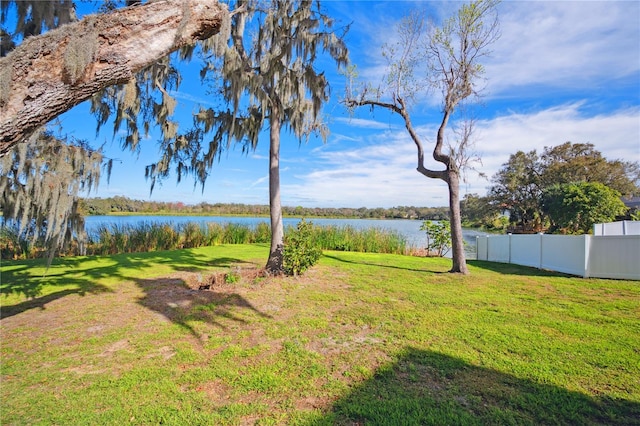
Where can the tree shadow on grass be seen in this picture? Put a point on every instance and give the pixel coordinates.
(429, 388)
(174, 299)
(512, 269)
(68, 276)
(33, 302)
(379, 265)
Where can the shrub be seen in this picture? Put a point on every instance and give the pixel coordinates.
(438, 236)
(300, 250)
(14, 245)
(231, 277)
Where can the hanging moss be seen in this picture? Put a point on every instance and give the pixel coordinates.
(79, 53)
(5, 84)
(40, 180)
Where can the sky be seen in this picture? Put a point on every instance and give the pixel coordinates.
(561, 71)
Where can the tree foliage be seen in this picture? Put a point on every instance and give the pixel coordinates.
(119, 204)
(447, 58)
(517, 189)
(478, 211)
(581, 162)
(301, 251)
(34, 18)
(438, 237)
(269, 76)
(573, 208)
(519, 186)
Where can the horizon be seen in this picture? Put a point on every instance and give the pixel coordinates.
(562, 71)
(266, 205)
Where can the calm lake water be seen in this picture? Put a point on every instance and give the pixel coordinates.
(409, 228)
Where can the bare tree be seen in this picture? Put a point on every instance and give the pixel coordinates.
(48, 74)
(445, 58)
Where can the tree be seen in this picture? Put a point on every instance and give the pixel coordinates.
(521, 182)
(451, 55)
(581, 162)
(480, 211)
(438, 237)
(48, 74)
(575, 207)
(517, 189)
(39, 185)
(268, 78)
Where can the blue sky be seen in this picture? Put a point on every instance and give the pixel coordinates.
(561, 71)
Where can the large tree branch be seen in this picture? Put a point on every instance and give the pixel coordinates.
(49, 74)
(438, 155)
(434, 174)
(401, 109)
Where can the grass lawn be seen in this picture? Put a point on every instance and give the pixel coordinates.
(359, 339)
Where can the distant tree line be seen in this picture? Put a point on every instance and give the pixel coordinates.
(124, 205)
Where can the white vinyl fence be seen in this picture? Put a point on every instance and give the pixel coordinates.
(615, 256)
(623, 227)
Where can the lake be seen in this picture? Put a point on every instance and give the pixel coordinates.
(409, 228)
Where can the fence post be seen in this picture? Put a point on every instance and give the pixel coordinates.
(587, 250)
(510, 234)
(541, 236)
(477, 253)
(488, 258)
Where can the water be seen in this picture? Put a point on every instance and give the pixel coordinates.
(410, 229)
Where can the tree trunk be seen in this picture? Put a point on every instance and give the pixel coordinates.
(455, 219)
(49, 74)
(275, 261)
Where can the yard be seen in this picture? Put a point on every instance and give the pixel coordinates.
(359, 339)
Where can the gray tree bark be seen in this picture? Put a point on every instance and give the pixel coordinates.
(49, 74)
(275, 263)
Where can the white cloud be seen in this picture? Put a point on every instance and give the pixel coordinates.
(616, 135)
(190, 98)
(575, 45)
(259, 180)
(564, 44)
(380, 171)
(368, 124)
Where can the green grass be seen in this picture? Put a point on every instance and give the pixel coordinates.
(361, 338)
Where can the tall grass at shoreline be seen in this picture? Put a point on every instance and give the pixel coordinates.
(147, 236)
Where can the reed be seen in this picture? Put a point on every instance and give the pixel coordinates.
(369, 240)
(156, 236)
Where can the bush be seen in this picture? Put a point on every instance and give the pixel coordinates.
(438, 237)
(13, 244)
(300, 250)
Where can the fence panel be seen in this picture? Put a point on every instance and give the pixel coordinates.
(583, 255)
(625, 227)
(564, 253)
(498, 248)
(615, 257)
(632, 227)
(481, 248)
(526, 250)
